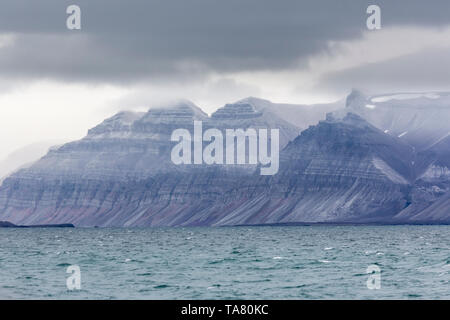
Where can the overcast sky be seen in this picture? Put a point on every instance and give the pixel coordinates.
(55, 83)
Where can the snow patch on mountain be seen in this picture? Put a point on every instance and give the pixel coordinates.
(405, 96)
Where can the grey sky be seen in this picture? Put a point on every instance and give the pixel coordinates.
(55, 83)
(129, 41)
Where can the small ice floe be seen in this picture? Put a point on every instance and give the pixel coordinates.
(324, 261)
(380, 253)
(369, 251)
(209, 288)
(328, 248)
(386, 131)
(406, 253)
(402, 134)
(277, 258)
(370, 106)
(127, 260)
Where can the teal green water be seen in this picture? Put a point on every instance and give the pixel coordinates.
(317, 262)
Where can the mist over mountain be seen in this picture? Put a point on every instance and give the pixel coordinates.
(381, 158)
(302, 116)
(419, 119)
(25, 156)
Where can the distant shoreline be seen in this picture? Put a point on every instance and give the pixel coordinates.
(7, 224)
(310, 224)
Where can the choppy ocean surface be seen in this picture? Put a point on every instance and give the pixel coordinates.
(305, 262)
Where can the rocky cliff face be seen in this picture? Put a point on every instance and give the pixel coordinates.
(343, 169)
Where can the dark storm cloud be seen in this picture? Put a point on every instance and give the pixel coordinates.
(127, 41)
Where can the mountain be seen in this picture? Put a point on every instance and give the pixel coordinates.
(83, 180)
(339, 170)
(430, 195)
(419, 119)
(347, 167)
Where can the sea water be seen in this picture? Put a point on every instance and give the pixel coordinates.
(298, 262)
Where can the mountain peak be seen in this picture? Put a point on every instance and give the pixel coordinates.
(257, 103)
(355, 99)
(118, 122)
(239, 110)
(180, 111)
(356, 120)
